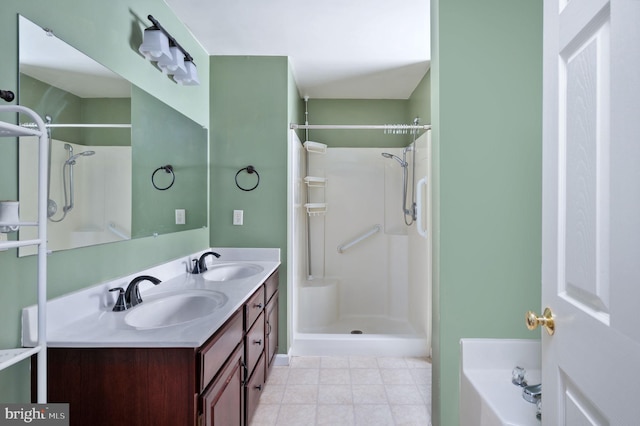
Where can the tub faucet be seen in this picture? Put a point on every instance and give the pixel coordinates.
(532, 393)
(201, 265)
(132, 294)
(517, 377)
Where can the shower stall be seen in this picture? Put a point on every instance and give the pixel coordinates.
(359, 257)
(85, 208)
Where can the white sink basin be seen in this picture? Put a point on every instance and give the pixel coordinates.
(174, 309)
(231, 271)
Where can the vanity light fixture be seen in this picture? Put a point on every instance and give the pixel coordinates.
(174, 64)
(188, 77)
(155, 45)
(159, 46)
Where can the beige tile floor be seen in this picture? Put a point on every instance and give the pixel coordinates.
(347, 391)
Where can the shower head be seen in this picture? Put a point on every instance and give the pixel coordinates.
(72, 159)
(395, 157)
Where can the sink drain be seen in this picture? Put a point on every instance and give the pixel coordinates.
(356, 331)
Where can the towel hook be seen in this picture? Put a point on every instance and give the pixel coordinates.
(250, 170)
(169, 169)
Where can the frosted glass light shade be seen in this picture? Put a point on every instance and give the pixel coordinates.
(155, 45)
(174, 64)
(189, 77)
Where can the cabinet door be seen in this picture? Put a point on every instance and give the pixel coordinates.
(272, 331)
(254, 389)
(223, 402)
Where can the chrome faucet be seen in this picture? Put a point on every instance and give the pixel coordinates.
(517, 376)
(132, 294)
(532, 393)
(200, 265)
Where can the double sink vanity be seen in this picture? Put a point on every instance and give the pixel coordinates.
(196, 351)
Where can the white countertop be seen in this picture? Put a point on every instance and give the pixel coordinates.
(86, 319)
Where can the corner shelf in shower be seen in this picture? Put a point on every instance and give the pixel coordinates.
(316, 209)
(315, 147)
(11, 356)
(315, 182)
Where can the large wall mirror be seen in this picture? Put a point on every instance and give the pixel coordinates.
(107, 139)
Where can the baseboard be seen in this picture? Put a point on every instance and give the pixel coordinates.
(281, 360)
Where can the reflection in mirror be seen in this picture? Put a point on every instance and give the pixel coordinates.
(171, 138)
(85, 106)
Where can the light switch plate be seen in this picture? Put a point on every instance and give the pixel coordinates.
(238, 217)
(3, 237)
(180, 217)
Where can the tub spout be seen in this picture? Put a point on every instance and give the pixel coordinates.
(532, 393)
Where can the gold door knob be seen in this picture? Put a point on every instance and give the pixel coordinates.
(546, 320)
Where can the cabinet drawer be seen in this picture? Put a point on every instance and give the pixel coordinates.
(255, 343)
(254, 306)
(215, 352)
(271, 285)
(254, 389)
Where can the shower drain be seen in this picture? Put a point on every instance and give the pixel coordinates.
(356, 331)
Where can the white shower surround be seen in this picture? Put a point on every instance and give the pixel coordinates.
(381, 285)
(99, 202)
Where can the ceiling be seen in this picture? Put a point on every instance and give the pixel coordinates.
(341, 49)
(45, 57)
(338, 49)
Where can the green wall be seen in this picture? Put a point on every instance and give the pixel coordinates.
(110, 32)
(64, 107)
(486, 111)
(358, 111)
(249, 126)
(368, 111)
(420, 100)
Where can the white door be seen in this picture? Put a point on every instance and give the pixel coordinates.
(591, 212)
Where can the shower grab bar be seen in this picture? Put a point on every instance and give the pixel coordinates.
(359, 238)
(116, 230)
(49, 125)
(421, 214)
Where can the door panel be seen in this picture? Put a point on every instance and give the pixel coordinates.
(591, 211)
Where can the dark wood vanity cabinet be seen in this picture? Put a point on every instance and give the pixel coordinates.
(260, 340)
(271, 321)
(222, 377)
(217, 384)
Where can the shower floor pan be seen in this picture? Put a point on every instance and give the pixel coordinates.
(361, 336)
(366, 325)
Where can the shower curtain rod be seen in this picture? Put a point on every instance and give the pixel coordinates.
(294, 126)
(49, 125)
